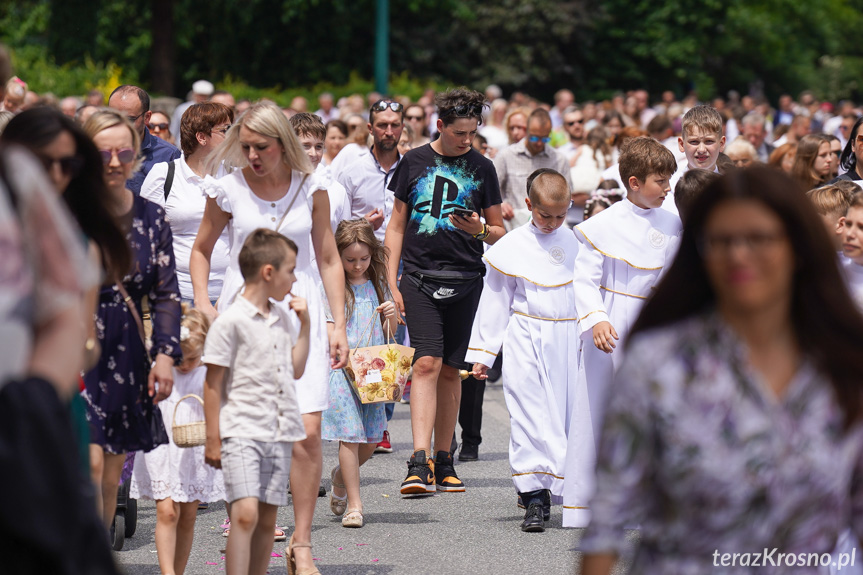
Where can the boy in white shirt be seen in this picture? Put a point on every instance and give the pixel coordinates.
(622, 252)
(253, 353)
(701, 140)
(311, 133)
(529, 274)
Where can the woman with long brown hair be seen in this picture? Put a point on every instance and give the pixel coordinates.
(812, 161)
(734, 424)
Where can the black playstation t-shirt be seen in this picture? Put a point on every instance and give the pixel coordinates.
(432, 185)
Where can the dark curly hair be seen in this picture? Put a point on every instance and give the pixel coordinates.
(460, 103)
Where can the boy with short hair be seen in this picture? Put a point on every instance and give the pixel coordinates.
(529, 274)
(253, 353)
(832, 203)
(621, 255)
(701, 140)
(689, 186)
(311, 133)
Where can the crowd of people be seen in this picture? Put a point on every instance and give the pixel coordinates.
(670, 291)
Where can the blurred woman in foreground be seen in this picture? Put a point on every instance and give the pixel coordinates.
(735, 423)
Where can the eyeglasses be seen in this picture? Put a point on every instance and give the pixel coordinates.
(384, 105)
(124, 155)
(755, 243)
(417, 118)
(158, 127)
(575, 122)
(535, 139)
(463, 111)
(223, 131)
(134, 119)
(70, 165)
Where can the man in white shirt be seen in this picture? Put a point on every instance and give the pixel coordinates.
(573, 126)
(366, 178)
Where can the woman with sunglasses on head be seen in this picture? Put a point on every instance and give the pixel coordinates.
(272, 186)
(123, 388)
(178, 188)
(74, 166)
(734, 429)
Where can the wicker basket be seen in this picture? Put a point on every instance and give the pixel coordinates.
(188, 434)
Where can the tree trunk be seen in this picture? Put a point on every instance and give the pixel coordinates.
(162, 27)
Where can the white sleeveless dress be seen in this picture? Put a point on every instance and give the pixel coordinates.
(249, 212)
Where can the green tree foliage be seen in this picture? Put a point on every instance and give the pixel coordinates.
(590, 46)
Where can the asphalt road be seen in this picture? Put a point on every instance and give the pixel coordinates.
(476, 532)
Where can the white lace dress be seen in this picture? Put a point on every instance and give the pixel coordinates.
(175, 472)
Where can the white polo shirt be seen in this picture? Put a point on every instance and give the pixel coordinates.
(260, 399)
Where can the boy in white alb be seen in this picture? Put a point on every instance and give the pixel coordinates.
(253, 354)
(527, 305)
(701, 140)
(622, 253)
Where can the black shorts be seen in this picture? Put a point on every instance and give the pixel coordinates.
(437, 327)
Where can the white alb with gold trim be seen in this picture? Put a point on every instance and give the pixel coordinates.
(528, 308)
(622, 254)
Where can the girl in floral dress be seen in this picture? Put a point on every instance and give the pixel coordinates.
(358, 427)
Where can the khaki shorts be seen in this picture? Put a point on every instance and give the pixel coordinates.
(258, 469)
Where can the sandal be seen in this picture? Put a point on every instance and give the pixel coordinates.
(292, 562)
(337, 504)
(353, 518)
(279, 535)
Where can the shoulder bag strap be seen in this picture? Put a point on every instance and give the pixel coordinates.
(130, 303)
(169, 179)
(291, 205)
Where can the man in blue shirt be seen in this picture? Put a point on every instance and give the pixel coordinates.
(135, 103)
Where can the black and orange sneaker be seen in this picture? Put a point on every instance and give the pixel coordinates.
(420, 479)
(447, 480)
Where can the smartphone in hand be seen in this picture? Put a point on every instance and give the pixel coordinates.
(462, 212)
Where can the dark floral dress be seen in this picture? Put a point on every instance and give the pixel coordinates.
(116, 389)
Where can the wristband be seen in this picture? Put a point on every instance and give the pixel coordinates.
(483, 234)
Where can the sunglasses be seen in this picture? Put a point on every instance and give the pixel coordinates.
(535, 139)
(125, 155)
(70, 165)
(463, 111)
(575, 122)
(222, 131)
(384, 105)
(160, 126)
